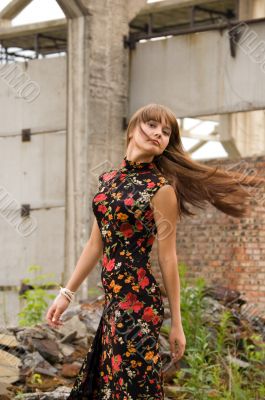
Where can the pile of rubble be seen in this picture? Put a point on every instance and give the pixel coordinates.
(42, 362)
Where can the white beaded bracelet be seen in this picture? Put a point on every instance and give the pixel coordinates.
(69, 294)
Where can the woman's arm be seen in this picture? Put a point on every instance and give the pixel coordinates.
(165, 214)
(88, 258)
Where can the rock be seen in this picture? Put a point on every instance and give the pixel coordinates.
(9, 367)
(27, 334)
(73, 328)
(71, 370)
(66, 349)
(237, 361)
(173, 391)
(8, 340)
(224, 294)
(70, 312)
(5, 394)
(48, 349)
(212, 310)
(91, 319)
(84, 342)
(61, 393)
(170, 367)
(164, 343)
(36, 363)
(69, 338)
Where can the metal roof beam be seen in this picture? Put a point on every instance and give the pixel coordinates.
(165, 5)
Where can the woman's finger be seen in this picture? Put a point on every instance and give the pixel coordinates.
(53, 316)
(50, 313)
(56, 317)
(173, 347)
(180, 352)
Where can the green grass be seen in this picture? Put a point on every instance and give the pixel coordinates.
(208, 371)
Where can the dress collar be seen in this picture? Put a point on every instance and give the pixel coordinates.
(136, 165)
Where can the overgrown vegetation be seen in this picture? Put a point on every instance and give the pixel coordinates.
(35, 297)
(217, 365)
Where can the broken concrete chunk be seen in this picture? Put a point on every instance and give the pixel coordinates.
(9, 367)
(37, 363)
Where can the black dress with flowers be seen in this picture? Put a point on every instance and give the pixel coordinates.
(123, 361)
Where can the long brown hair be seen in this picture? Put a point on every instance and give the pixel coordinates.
(194, 182)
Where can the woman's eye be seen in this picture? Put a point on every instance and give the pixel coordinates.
(152, 124)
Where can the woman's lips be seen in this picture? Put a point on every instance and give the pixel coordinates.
(155, 142)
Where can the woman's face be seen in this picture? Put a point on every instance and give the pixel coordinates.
(152, 136)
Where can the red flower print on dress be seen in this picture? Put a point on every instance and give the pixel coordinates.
(102, 208)
(129, 201)
(151, 184)
(148, 314)
(156, 319)
(108, 264)
(109, 175)
(143, 280)
(115, 362)
(139, 242)
(151, 239)
(139, 225)
(100, 197)
(149, 214)
(104, 260)
(126, 229)
(131, 302)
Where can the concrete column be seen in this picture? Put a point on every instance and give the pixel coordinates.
(226, 137)
(97, 103)
(76, 229)
(248, 132)
(247, 128)
(251, 9)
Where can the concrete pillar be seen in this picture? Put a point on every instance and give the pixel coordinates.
(97, 103)
(226, 137)
(249, 9)
(77, 168)
(248, 128)
(248, 131)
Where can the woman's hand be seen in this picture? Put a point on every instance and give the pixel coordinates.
(177, 342)
(59, 305)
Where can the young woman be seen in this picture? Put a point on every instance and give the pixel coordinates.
(142, 199)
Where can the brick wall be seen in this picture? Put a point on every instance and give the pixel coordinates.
(226, 250)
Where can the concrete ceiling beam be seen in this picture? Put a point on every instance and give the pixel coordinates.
(13, 8)
(29, 29)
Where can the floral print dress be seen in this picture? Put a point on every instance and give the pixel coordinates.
(123, 361)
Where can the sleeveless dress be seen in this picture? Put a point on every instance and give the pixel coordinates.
(123, 361)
